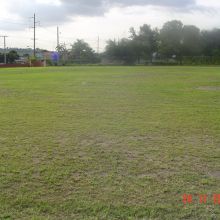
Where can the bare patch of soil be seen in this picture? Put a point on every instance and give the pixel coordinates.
(209, 88)
(215, 174)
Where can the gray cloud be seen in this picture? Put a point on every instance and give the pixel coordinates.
(167, 3)
(98, 7)
(51, 14)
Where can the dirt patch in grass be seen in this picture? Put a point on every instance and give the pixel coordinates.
(159, 174)
(209, 88)
(6, 92)
(133, 75)
(215, 174)
(98, 140)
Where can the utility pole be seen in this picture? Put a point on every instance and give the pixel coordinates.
(98, 45)
(58, 37)
(34, 35)
(34, 27)
(5, 55)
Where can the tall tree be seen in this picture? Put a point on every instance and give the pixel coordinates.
(211, 42)
(63, 52)
(12, 56)
(144, 42)
(171, 39)
(121, 51)
(191, 42)
(81, 52)
(112, 50)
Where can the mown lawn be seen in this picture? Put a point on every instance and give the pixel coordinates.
(109, 142)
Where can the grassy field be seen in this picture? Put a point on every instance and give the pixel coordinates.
(109, 142)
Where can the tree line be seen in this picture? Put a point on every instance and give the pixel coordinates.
(11, 56)
(174, 43)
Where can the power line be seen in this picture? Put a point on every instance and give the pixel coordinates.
(58, 37)
(98, 45)
(34, 27)
(5, 56)
(34, 35)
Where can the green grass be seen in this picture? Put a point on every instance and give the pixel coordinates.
(109, 142)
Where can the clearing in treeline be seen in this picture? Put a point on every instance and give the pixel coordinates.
(109, 142)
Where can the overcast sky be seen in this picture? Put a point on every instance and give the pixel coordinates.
(88, 19)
